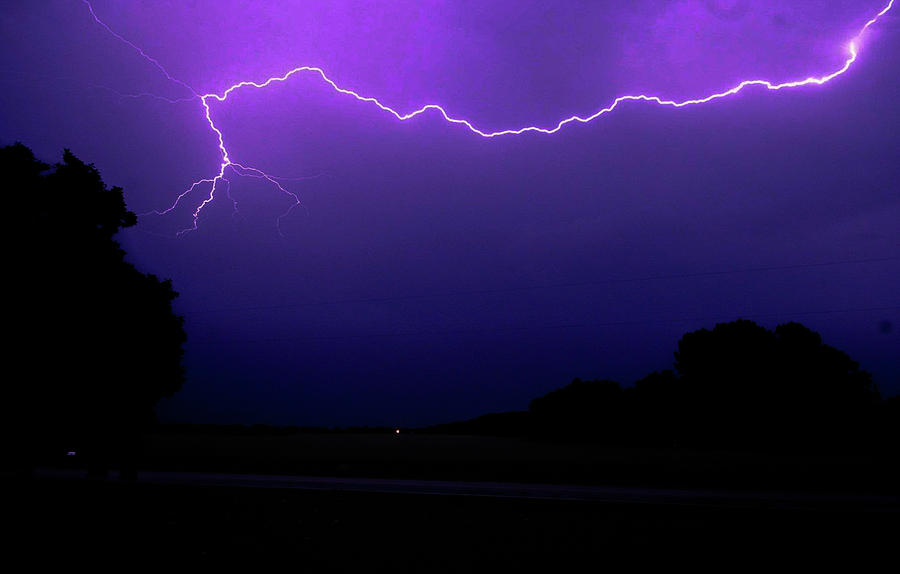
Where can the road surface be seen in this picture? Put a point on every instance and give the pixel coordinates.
(598, 494)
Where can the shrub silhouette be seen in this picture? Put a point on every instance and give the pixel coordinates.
(587, 410)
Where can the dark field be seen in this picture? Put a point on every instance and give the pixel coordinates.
(520, 460)
(121, 524)
(126, 525)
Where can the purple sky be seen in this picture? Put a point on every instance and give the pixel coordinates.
(433, 275)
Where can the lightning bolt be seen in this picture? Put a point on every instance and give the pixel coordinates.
(228, 166)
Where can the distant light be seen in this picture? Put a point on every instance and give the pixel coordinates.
(71, 453)
(397, 431)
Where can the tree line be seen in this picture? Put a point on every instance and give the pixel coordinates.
(737, 385)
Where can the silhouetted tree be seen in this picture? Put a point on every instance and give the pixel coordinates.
(654, 416)
(99, 338)
(742, 383)
(889, 424)
(737, 385)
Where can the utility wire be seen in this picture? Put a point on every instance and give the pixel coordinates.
(525, 288)
(546, 327)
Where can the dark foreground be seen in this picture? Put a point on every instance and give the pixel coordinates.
(103, 524)
(772, 500)
(481, 458)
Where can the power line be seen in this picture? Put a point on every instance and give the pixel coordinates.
(525, 288)
(545, 327)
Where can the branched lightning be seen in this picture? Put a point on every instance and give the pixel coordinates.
(228, 165)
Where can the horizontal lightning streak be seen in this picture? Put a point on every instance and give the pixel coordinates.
(147, 95)
(853, 49)
(558, 286)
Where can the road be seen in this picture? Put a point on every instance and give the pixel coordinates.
(596, 494)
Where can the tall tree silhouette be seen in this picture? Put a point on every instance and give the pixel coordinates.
(99, 339)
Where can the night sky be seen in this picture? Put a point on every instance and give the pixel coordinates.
(432, 275)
